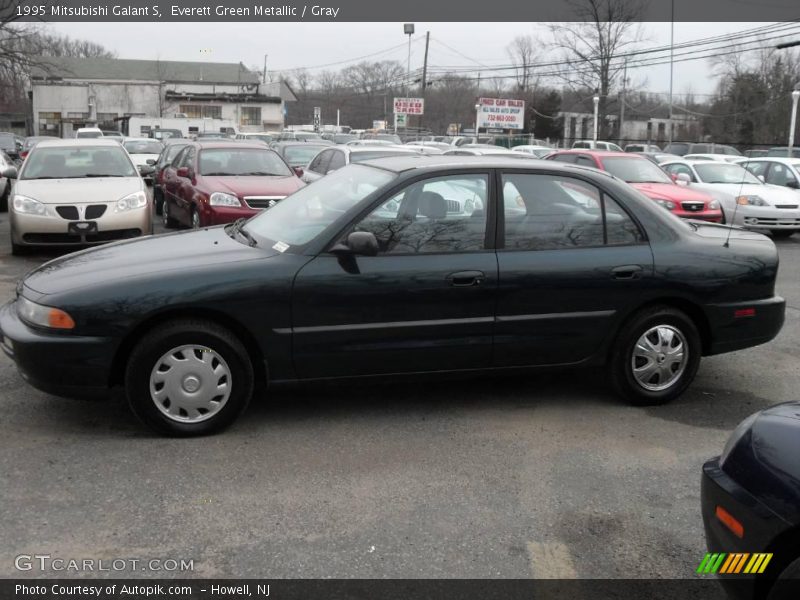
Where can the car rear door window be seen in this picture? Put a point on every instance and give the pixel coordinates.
(585, 161)
(439, 215)
(337, 161)
(779, 174)
(320, 162)
(543, 212)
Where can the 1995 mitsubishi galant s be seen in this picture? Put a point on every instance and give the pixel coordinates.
(398, 266)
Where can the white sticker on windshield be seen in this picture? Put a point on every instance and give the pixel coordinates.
(280, 246)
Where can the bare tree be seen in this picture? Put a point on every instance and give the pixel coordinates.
(523, 54)
(591, 48)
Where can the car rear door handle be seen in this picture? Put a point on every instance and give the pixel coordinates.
(466, 278)
(627, 272)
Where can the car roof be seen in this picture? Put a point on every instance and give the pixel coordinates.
(433, 162)
(73, 142)
(378, 148)
(599, 153)
(778, 159)
(141, 139)
(227, 143)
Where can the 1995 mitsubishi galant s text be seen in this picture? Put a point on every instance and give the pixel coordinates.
(398, 266)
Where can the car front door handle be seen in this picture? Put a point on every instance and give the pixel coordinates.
(466, 278)
(627, 272)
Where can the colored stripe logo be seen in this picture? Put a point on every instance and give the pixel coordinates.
(734, 563)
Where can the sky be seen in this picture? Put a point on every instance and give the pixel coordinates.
(293, 45)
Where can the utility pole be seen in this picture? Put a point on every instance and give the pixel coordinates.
(671, 67)
(622, 101)
(425, 74)
(264, 78)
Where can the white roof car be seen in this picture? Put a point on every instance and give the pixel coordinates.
(88, 133)
(745, 199)
(537, 151)
(776, 171)
(731, 158)
(143, 151)
(336, 157)
(478, 150)
(592, 145)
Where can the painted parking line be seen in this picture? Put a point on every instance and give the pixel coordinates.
(551, 560)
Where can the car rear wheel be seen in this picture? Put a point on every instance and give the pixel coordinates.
(166, 217)
(782, 233)
(787, 584)
(190, 377)
(655, 356)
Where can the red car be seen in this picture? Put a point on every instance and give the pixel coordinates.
(650, 179)
(215, 182)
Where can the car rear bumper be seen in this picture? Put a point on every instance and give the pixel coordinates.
(737, 325)
(59, 364)
(760, 525)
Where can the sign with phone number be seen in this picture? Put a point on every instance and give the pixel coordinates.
(501, 113)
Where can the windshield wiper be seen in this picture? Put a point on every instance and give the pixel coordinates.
(264, 173)
(219, 174)
(101, 175)
(237, 227)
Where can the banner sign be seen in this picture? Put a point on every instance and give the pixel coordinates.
(409, 106)
(501, 113)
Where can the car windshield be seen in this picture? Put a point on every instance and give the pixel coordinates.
(301, 155)
(302, 135)
(725, 173)
(635, 170)
(143, 147)
(89, 134)
(172, 151)
(260, 137)
(304, 215)
(343, 138)
(395, 139)
(72, 162)
(237, 162)
(370, 154)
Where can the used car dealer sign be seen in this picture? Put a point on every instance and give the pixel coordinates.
(501, 113)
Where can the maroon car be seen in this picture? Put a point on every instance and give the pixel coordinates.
(215, 182)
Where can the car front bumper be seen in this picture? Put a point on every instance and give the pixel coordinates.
(56, 363)
(767, 217)
(219, 215)
(712, 216)
(737, 325)
(761, 526)
(33, 230)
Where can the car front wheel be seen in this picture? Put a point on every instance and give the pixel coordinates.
(655, 357)
(782, 233)
(190, 377)
(166, 216)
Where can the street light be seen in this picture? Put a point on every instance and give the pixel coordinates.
(793, 120)
(408, 29)
(596, 101)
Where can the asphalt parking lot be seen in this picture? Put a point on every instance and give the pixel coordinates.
(545, 476)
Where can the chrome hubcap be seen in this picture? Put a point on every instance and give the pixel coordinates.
(195, 220)
(659, 357)
(165, 212)
(190, 384)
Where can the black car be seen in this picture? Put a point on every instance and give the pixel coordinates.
(172, 146)
(751, 504)
(396, 267)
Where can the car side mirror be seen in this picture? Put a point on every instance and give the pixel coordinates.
(146, 170)
(9, 172)
(151, 161)
(362, 243)
(683, 179)
(184, 172)
(298, 171)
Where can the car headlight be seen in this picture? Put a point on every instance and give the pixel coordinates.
(223, 199)
(666, 204)
(737, 435)
(29, 206)
(43, 316)
(751, 200)
(713, 205)
(131, 202)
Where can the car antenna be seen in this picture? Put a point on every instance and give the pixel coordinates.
(727, 243)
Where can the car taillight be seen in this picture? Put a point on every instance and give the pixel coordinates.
(23, 154)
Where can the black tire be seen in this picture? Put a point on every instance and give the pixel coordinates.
(19, 250)
(158, 199)
(621, 372)
(149, 351)
(168, 221)
(194, 216)
(787, 585)
(4, 197)
(781, 233)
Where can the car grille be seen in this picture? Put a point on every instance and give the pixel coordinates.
(95, 211)
(262, 201)
(453, 206)
(772, 222)
(68, 212)
(786, 206)
(693, 206)
(69, 238)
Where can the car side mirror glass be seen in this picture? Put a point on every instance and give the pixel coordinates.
(363, 243)
(183, 172)
(298, 171)
(9, 172)
(683, 178)
(151, 161)
(146, 170)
